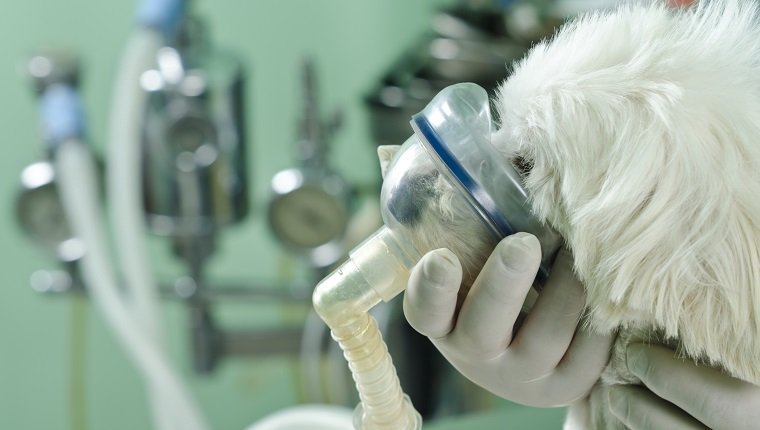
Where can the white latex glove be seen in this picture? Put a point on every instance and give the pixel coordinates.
(680, 394)
(550, 360)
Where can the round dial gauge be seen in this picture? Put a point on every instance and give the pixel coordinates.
(41, 216)
(308, 216)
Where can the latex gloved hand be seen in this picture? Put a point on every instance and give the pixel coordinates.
(683, 395)
(550, 360)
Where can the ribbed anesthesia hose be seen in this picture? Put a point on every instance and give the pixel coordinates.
(382, 399)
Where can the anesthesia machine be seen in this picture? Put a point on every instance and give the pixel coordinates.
(175, 167)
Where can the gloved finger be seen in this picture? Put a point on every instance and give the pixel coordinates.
(550, 326)
(493, 303)
(639, 409)
(581, 366)
(716, 399)
(431, 296)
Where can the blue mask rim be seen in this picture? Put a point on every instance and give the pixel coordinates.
(480, 198)
(485, 205)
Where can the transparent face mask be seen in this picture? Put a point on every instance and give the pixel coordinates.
(449, 180)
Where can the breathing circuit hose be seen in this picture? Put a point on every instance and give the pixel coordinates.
(382, 401)
(343, 300)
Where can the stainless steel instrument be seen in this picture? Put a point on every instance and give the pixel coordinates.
(194, 168)
(310, 205)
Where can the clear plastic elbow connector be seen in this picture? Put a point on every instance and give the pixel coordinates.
(449, 157)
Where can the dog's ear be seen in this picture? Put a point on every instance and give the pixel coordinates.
(386, 153)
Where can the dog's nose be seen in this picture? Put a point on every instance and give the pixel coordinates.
(411, 197)
(522, 165)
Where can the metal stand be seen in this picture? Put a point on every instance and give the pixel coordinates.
(209, 342)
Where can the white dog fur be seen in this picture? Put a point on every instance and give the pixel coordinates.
(642, 127)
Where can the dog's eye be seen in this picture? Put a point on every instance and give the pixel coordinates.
(523, 165)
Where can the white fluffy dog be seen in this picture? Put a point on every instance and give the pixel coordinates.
(641, 127)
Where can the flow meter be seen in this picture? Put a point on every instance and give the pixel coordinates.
(39, 211)
(40, 214)
(311, 205)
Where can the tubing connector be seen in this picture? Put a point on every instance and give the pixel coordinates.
(344, 295)
(378, 269)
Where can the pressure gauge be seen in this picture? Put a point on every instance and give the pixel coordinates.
(310, 207)
(309, 213)
(40, 213)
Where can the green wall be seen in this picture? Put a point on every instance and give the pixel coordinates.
(41, 337)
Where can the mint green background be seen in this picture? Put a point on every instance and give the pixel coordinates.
(352, 43)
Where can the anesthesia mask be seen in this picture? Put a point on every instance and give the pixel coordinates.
(447, 186)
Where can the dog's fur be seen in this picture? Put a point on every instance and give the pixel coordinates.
(642, 128)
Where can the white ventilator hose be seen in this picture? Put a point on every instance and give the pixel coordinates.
(125, 125)
(78, 188)
(124, 194)
(124, 190)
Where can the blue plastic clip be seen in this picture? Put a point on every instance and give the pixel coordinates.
(162, 15)
(62, 114)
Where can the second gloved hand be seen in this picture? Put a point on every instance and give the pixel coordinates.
(550, 360)
(679, 394)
